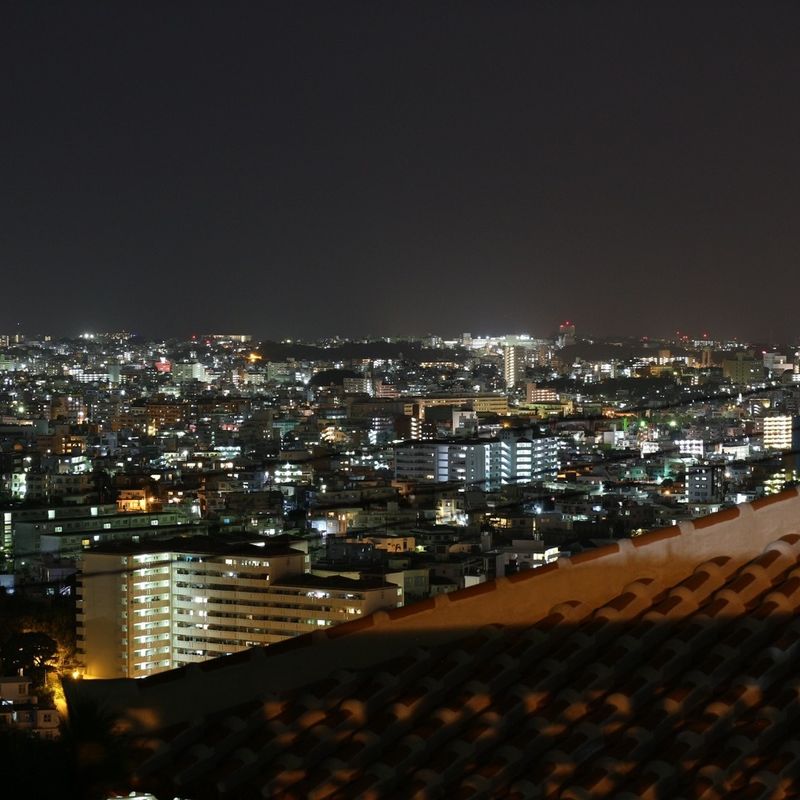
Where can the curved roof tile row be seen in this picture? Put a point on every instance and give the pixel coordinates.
(685, 690)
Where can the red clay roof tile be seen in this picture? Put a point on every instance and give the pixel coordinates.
(663, 689)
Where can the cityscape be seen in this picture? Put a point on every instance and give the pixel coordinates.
(170, 502)
(400, 401)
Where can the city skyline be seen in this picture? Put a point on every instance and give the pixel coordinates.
(18, 337)
(173, 512)
(309, 170)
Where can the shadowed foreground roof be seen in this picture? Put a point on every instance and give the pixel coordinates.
(663, 667)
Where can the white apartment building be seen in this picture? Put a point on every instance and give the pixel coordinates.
(696, 448)
(192, 371)
(146, 608)
(486, 463)
(778, 432)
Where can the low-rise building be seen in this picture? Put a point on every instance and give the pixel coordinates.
(67, 538)
(20, 710)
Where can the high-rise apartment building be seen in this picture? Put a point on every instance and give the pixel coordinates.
(513, 364)
(143, 609)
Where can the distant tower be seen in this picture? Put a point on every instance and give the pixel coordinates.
(566, 334)
(513, 364)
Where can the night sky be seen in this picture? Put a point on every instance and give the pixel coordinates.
(304, 169)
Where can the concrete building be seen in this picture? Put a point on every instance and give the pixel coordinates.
(513, 364)
(487, 463)
(148, 608)
(566, 334)
(779, 431)
(777, 363)
(66, 538)
(192, 371)
(743, 369)
(11, 520)
(704, 484)
(21, 711)
(486, 402)
(536, 394)
(695, 448)
(357, 385)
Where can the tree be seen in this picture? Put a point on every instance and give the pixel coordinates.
(28, 651)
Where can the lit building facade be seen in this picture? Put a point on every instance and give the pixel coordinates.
(67, 537)
(743, 370)
(487, 463)
(779, 432)
(513, 364)
(704, 484)
(491, 403)
(143, 610)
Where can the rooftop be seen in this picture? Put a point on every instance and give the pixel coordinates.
(308, 581)
(193, 544)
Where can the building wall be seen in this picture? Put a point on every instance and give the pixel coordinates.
(704, 484)
(101, 618)
(486, 464)
(141, 614)
(493, 403)
(67, 538)
(743, 370)
(513, 364)
(778, 432)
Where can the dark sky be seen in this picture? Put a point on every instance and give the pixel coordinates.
(304, 169)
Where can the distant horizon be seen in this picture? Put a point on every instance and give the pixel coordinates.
(407, 336)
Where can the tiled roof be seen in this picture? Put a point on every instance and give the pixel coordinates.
(683, 682)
